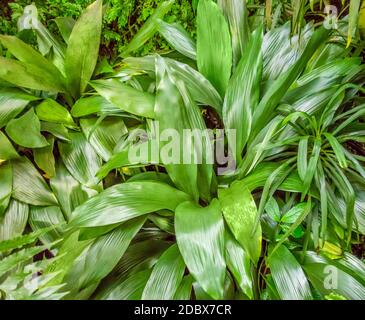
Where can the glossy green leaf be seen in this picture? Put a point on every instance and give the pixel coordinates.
(83, 49)
(126, 201)
(7, 151)
(185, 289)
(130, 289)
(68, 190)
(65, 26)
(240, 212)
(199, 233)
(29, 186)
(26, 131)
(178, 38)
(101, 256)
(80, 159)
(51, 111)
(238, 262)
(12, 102)
(32, 76)
(353, 19)
(103, 136)
(94, 104)
(199, 87)
(33, 61)
(237, 16)
(329, 276)
(44, 158)
(214, 48)
(166, 276)
(125, 97)
(171, 113)
(45, 217)
(273, 95)
(6, 186)
(337, 149)
(243, 93)
(14, 220)
(289, 278)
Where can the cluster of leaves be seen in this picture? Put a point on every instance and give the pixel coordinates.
(122, 19)
(279, 226)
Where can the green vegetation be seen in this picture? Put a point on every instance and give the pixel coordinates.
(122, 19)
(81, 219)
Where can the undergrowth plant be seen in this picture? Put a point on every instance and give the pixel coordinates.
(80, 219)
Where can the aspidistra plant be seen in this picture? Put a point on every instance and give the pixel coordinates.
(117, 236)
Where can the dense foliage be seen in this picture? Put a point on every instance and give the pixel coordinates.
(122, 19)
(80, 219)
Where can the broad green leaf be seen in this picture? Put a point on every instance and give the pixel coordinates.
(94, 104)
(214, 48)
(200, 237)
(337, 276)
(70, 249)
(171, 113)
(26, 131)
(7, 151)
(56, 129)
(45, 217)
(32, 76)
(237, 16)
(238, 262)
(65, 26)
(29, 186)
(101, 256)
(166, 276)
(80, 159)
(104, 135)
(125, 97)
(130, 289)
(126, 201)
(51, 111)
(83, 49)
(266, 107)
(240, 212)
(185, 288)
(12, 102)
(199, 87)
(15, 219)
(44, 158)
(243, 93)
(289, 278)
(178, 38)
(27, 55)
(149, 28)
(281, 49)
(68, 190)
(6, 185)
(202, 149)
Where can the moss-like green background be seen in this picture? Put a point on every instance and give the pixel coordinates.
(122, 19)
